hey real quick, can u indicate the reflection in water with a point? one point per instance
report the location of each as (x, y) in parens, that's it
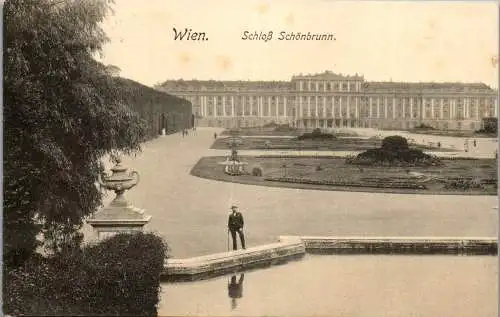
(361, 285)
(235, 289)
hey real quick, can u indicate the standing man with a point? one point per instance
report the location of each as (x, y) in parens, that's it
(235, 224)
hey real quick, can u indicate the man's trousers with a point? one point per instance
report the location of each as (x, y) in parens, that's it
(242, 238)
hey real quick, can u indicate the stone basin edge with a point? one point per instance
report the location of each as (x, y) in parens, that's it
(295, 247)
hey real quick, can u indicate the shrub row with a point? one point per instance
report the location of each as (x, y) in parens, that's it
(489, 181)
(387, 163)
(120, 276)
(387, 178)
(407, 185)
(484, 181)
(299, 156)
(310, 136)
(463, 185)
(284, 128)
(316, 134)
(347, 157)
(456, 158)
(395, 180)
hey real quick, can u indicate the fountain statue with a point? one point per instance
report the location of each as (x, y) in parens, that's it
(233, 164)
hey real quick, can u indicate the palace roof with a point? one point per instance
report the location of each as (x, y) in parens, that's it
(426, 86)
(227, 84)
(327, 75)
(367, 86)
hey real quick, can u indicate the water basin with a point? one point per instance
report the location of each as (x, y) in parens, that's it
(346, 285)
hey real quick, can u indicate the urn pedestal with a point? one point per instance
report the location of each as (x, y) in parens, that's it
(119, 216)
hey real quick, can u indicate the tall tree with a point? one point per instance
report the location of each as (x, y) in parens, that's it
(62, 115)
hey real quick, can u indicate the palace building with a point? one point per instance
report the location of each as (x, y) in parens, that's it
(329, 100)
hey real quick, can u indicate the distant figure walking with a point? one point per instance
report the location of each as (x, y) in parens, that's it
(215, 135)
(235, 289)
(475, 143)
(235, 225)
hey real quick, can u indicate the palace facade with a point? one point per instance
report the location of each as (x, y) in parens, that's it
(329, 100)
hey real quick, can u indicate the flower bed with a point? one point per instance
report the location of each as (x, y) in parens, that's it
(379, 184)
(455, 158)
(489, 181)
(463, 184)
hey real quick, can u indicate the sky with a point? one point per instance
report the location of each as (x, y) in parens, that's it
(383, 41)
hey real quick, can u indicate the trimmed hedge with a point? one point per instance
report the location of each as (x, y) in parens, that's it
(316, 135)
(119, 276)
(299, 156)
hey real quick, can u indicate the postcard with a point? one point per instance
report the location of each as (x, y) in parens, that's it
(297, 158)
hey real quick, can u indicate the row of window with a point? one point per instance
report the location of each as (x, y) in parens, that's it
(338, 99)
(376, 111)
(329, 86)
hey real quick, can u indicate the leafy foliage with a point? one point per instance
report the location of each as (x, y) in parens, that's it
(62, 114)
(117, 277)
(489, 125)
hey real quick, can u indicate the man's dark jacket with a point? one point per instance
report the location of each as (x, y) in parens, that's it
(235, 221)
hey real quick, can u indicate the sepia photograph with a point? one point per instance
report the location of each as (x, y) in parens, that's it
(250, 158)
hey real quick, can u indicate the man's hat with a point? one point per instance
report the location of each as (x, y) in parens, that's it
(233, 206)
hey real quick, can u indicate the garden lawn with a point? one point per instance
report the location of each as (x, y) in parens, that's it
(335, 169)
(338, 144)
(265, 131)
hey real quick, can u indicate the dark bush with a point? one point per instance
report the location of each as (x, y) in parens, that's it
(394, 143)
(118, 277)
(489, 125)
(316, 132)
(424, 126)
(394, 152)
(257, 171)
(400, 158)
